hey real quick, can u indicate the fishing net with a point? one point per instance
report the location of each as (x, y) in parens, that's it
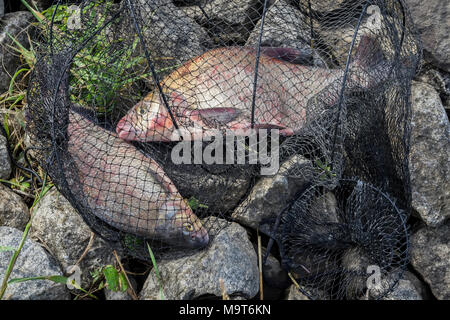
(152, 116)
(348, 243)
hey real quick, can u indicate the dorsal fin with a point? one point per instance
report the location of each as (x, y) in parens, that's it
(292, 55)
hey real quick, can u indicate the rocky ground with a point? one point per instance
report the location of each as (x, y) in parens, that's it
(228, 267)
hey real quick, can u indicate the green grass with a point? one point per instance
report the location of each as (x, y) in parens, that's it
(325, 170)
(105, 68)
(16, 253)
(155, 267)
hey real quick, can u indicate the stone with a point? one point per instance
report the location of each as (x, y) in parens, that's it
(230, 258)
(276, 280)
(229, 22)
(326, 6)
(295, 294)
(430, 256)
(325, 208)
(339, 38)
(407, 288)
(272, 193)
(273, 273)
(218, 187)
(439, 80)
(170, 33)
(60, 227)
(219, 192)
(15, 23)
(117, 295)
(5, 160)
(13, 211)
(33, 261)
(285, 26)
(42, 4)
(433, 24)
(354, 264)
(357, 275)
(428, 159)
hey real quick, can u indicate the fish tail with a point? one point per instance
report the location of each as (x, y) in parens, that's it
(369, 53)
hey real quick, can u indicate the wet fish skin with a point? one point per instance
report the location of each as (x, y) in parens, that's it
(214, 91)
(128, 190)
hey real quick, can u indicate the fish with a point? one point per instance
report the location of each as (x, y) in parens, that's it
(127, 189)
(214, 92)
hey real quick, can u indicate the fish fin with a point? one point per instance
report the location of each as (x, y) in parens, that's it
(283, 130)
(178, 99)
(245, 126)
(291, 55)
(218, 115)
(369, 53)
(268, 126)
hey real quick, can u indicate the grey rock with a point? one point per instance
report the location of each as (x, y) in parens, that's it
(433, 23)
(273, 273)
(42, 4)
(5, 161)
(285, 26)
(326, 6)
(229, 257)
(295, 294)
(325, 208)
(272, 193)
(228, 21)
(429, 156)
(355, 264)
(15, 24)
(276, 280)
(439, 80)
(407, 288)
(13, 211)
(219, 187)
(430, 256)
(339, 38)
(219, 192)
(169, 32)
(2, 8)
(33, 261)
(117, 295)
(59, 226)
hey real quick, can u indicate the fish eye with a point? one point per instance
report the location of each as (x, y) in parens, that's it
(189, 227)
(141, 110)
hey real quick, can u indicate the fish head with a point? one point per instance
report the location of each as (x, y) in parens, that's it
(180, 226)
(149, 120)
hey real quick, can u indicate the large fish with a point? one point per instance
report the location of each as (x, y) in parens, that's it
(128, 190)
(214, 91)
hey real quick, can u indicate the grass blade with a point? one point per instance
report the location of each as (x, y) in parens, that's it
(56, 279)
(155, 266)
(13, 260)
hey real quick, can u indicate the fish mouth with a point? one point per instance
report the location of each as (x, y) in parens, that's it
(200, 239)
(125, 130)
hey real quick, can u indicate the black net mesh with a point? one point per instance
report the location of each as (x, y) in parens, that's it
(118, 85)
(333, 241)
